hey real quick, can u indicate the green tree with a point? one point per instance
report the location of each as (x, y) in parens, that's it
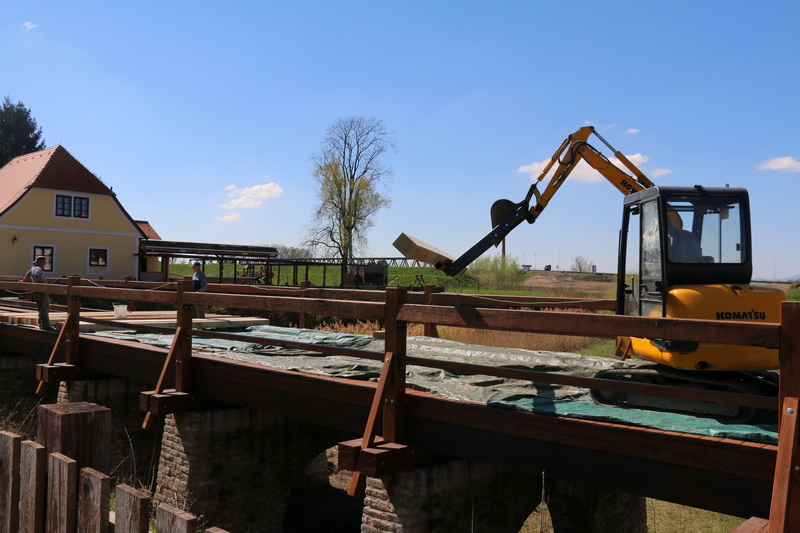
(351, 181)
(19, 134)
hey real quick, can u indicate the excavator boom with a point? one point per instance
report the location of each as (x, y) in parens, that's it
(507, 215)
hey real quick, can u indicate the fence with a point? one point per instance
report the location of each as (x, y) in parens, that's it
(396, 308)
(45, 492)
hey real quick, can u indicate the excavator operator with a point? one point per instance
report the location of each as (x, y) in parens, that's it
(683, 245)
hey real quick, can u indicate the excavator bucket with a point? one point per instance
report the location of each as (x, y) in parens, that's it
(501, 209)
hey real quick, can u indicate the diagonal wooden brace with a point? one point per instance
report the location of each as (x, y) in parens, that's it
(784, 514)
(177, 342)
(382, 392)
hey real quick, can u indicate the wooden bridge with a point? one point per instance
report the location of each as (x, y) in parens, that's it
(402, 429)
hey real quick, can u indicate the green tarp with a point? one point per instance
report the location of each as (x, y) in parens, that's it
(495, 392)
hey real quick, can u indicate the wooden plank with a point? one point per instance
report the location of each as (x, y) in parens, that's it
(785, 507)
(62, 494)
(33, 467)
(215, 530)
(339, 308)
(93, 506)
(174, 520)
(9, 481)
(592, 325)
(414, 248)
(132, 510)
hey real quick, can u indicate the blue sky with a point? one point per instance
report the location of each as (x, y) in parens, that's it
(203, 116)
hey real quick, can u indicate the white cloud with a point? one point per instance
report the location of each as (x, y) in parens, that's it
(233, 217)
(657, 173)
(781, 164)
(248, 197)
(582, 171)
(30, 25)
(632, 131)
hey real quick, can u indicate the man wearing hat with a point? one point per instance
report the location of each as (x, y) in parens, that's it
(199, 284)
(36, 275)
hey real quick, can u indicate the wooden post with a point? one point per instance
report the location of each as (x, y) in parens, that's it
(303, 321)
(394, 406)
(93, 503)
(785, 505)
(790, 350)
(132, 514)
(183, 355)
(427, 298)
(62, 492)
(79, 430)
(172, 519)
(33, 466)
(130, 303)
(9, 481)
(73, 321)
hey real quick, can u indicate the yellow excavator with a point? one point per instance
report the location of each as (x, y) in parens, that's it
(695, 261)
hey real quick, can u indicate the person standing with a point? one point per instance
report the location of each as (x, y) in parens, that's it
(36, 275)
(199, 284)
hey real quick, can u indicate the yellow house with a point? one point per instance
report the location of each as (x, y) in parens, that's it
(51, 205)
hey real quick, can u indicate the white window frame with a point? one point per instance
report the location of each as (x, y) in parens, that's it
(97, 269)
(35, 254)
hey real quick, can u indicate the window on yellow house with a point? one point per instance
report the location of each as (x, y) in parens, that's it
(72, 207)
(46, 251)
(98, 257)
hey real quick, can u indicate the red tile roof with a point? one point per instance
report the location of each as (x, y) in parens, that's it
(147, 229)
(53, 168)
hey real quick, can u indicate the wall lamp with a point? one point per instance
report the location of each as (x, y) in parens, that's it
(14, 239)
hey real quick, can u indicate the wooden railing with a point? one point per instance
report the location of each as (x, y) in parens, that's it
(396, 308)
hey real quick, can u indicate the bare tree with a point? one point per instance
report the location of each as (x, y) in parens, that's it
(350, 181)
(291, 252)
(581, 264)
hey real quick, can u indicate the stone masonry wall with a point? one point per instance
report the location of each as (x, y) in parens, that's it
(455, 496)
(236, 467)
(134, 451)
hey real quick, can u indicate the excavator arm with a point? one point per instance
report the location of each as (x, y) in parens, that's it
(507, 215)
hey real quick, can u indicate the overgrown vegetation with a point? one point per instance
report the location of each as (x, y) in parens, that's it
(794, 291)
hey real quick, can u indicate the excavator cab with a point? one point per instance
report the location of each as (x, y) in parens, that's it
(694, 261)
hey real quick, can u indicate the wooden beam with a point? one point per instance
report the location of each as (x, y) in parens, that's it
(382, 458)
(133, 507)
(94, 491)
(9, 481)
(62, 493)
(183, 350)
(171, 401)
(174, 520)
(63, 372)
(394, 411)
(33, 467)
(560, 323)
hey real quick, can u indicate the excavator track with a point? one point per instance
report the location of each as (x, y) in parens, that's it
(753, 382)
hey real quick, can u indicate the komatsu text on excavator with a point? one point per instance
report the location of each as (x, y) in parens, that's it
(695, 261)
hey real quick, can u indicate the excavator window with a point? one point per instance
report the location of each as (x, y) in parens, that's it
(705, 230)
